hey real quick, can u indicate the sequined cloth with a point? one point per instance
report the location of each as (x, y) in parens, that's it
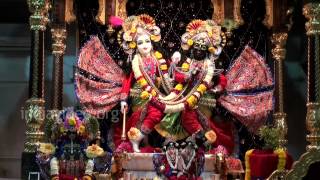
(249, 96)
(98, 97)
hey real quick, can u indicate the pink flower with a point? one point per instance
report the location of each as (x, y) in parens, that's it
(124, 147)
(115, 21)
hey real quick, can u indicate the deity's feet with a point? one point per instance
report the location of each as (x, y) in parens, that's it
(135, 137)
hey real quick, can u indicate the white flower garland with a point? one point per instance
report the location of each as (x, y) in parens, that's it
(172, 106)
(181, 105)
(89, 167)
(54, 167)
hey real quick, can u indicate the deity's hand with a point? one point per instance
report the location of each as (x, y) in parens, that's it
(217, 89)
(124, 106)
(176, 57)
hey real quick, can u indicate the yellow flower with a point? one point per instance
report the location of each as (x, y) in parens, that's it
(179, 87)
(211, 49)
(72, 121)
(163, 67)
(144, 95)
(190, 42)
(211, 136)
(133, 30)
(133, 133)
(153, 37)
(47, 148)
(192, 101)
(62, 129)
(202, 88)
(94, 151)
(143, 82)
(185, 67)
(82, 129)
(153, 93)
(158, 55)
(132, 44)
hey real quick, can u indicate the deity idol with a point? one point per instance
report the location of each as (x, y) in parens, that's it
(186, 109)
(192, 99)
(149, 72)
(246, 96)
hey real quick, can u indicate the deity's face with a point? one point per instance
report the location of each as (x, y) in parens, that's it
(199, 50)
(144, 45)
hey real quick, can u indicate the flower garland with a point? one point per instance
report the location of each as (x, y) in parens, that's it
(192, 99)
(171, 159)
(54, 167)
(89, 167)
(149, 89)
(178, 90)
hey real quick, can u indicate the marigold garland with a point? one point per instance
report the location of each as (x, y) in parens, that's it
(158, 55)
(178, 87)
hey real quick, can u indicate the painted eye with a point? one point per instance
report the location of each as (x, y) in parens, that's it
(148, 41)
(139, 42)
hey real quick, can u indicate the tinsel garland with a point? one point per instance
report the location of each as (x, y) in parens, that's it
(247, 164)
(282, 157)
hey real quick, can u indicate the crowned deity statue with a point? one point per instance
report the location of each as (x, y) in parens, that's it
(176, 96)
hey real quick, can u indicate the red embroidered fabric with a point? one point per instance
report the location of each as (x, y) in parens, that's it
(98, 97)
(249, 71)
(249, 90)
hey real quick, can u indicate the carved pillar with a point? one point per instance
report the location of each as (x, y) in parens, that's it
(276, 19)
(278, 53)
(120, 9)
(312, 13)
(227, 10)
(62, 12)
(38, 22)
(58, 50)
(33, 113)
